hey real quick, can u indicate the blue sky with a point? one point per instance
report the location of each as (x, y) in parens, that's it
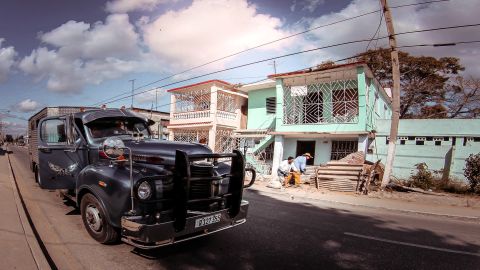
(57, 52)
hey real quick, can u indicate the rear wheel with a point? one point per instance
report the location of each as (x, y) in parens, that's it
(95, 221)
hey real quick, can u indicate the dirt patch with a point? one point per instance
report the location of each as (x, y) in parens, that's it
(438, 199)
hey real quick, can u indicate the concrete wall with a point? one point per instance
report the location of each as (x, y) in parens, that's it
(257, 111)
(435, 156)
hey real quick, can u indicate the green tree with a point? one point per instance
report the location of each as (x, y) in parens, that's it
(423, 79)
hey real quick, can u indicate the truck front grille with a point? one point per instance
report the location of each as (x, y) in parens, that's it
(201, 189)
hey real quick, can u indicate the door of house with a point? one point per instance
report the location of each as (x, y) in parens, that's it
(306, 147)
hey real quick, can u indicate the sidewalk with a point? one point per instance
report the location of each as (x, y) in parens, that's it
(19, 248)
(374, 202)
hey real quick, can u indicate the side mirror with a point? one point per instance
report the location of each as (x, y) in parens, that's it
(113, 148)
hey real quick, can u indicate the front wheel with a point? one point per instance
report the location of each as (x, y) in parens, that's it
(95, 221)
(38, 178)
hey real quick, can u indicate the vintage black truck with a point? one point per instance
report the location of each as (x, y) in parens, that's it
(128, 186)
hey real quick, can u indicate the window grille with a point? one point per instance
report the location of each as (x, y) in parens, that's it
(193, 100)
(330, 102)
(226, 102)
(271, 104)
(341, 149)
(191, 135)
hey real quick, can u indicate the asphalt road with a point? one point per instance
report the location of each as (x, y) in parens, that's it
(280, 233)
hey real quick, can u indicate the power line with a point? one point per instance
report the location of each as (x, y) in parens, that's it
(295, 53)
(366, 53)
(265, 44)
(377, 32)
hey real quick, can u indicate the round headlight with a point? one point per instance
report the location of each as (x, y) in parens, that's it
(144, 191)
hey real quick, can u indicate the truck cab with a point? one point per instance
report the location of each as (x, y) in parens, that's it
(129, 186)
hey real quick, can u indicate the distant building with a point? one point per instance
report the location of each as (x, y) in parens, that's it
(207, 112)
(162, 120)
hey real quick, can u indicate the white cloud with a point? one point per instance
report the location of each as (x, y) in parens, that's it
(85, 54)
(124, 6)
(405, 19)
(149, 97)
(14, 128)
(27, 105)
(312, 5)
(196, 34)
(7, 60)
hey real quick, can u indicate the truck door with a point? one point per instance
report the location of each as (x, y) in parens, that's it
(60, 159)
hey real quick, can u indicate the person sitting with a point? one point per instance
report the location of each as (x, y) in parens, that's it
(300, 164)
(285, 169)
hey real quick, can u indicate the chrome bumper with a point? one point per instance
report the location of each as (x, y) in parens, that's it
(148, 236)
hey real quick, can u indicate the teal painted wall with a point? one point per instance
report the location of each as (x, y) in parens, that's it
(434, 156)
(257, 111)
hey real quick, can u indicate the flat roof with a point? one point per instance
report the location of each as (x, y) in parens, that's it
(201, 83)
(316, 69)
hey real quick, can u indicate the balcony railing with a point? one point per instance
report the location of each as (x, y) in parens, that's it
(191, 115)
(226, 115)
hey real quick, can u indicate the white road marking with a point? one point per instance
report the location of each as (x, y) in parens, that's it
(411, 244)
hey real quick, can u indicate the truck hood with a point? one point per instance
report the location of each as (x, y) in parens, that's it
(165, 149)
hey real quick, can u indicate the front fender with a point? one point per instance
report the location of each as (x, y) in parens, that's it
(111, 186)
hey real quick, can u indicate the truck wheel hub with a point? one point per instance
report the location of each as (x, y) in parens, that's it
(93, 218)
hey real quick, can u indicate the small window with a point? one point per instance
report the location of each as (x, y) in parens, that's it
(270, 104)
(420, 142)
(438, 143)
(54, 132)
(402, 142)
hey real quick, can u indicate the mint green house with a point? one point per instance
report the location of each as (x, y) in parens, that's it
(329, 113)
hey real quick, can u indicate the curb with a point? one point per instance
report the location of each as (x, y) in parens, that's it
(31, 236)
(456, 217)
(53, 247)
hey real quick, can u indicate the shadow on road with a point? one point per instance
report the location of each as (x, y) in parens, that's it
(290, 235)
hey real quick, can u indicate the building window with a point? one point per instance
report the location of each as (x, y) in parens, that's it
(438, 143)
(420, 142)
(271, 104)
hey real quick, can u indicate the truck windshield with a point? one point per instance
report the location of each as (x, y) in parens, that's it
(107, 127)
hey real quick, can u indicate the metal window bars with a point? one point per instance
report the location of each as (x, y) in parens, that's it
(192, 100)
(341, 149)
(226, 102)
(326, 102)
(191, 135)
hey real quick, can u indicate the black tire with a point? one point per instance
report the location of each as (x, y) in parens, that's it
(95, 221)
(37, 175)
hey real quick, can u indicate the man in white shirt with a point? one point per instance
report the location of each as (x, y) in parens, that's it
(285, 169)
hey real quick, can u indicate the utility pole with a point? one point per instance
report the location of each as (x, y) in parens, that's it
(395, 95)
(274, 64)
(133, 89)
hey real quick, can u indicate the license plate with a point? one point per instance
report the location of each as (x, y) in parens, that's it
(200, 222)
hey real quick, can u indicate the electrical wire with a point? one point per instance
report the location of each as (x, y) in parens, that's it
(292, 54)
(377, 32)
(355, 56)
(263, 44)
